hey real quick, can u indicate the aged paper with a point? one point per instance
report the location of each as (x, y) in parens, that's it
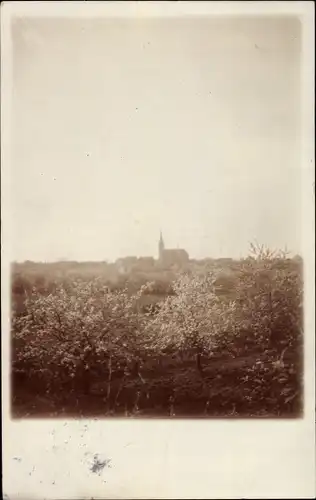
(158, 250)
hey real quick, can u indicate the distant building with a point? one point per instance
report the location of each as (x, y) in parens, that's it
(145, 263)
(170, 259)
(126, 264)
(177, 257)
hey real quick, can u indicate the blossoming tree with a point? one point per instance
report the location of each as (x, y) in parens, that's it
(194, 319)
(74, 333)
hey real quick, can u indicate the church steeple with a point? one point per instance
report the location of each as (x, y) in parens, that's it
(161, 246)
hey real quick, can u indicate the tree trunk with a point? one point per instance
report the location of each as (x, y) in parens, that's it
(135, 370)
(271, 339)
(108, 392)
(119, 391)
(199, 362)
(86, 382)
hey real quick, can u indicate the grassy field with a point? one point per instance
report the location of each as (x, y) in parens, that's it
(222, 344)
(249, 386)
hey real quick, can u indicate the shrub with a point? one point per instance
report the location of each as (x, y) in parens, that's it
(78, 332)
(194, 319)
(269, 301)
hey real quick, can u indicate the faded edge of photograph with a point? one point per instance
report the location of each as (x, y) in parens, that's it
(157, 267)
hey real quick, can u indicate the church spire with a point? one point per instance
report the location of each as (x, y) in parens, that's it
(161, 246)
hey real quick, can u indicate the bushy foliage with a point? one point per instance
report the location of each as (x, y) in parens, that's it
(194, 319)
(269, 298)
(264, 312)
(157, 288)
(73, 332)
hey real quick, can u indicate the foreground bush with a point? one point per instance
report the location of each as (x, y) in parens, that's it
(264, 313)
(73, 335)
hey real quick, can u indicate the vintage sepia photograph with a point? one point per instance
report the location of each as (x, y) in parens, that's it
(156, 217)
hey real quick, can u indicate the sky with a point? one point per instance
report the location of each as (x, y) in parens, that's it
(122, 128)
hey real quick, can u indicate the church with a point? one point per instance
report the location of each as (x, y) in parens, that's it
(168, 258)
(173, 256)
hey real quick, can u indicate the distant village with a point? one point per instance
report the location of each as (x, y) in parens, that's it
(169, 259)
(168, 262)
(130, 272)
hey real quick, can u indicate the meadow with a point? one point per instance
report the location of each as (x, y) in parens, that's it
(226, 341)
